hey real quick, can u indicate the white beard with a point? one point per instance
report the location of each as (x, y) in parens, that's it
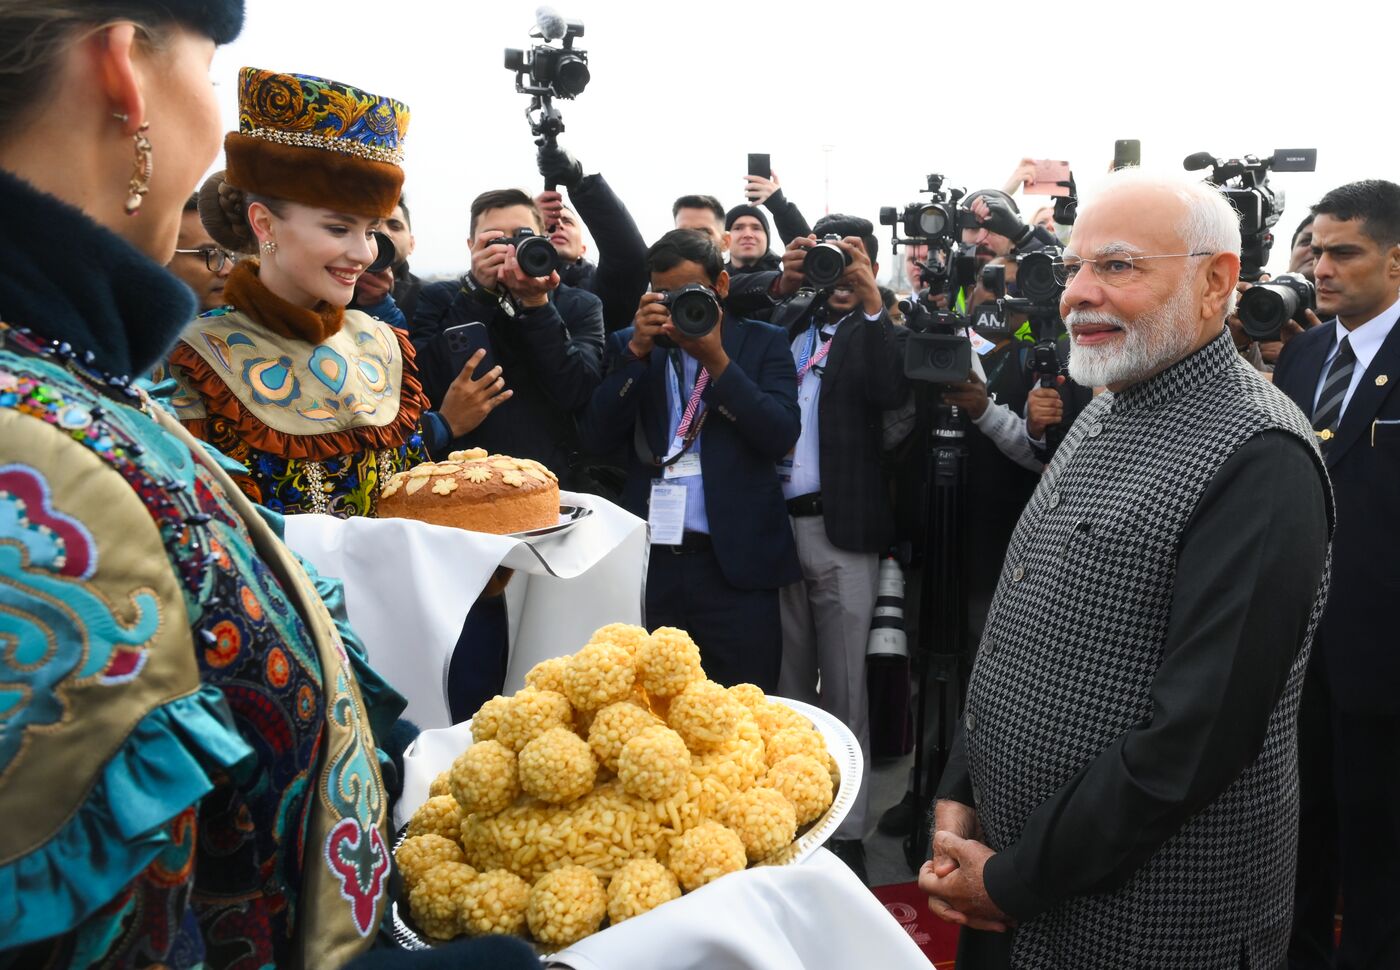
(1150, 343)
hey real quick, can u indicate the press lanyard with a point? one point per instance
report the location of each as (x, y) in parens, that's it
(811, 359)
(689, 428)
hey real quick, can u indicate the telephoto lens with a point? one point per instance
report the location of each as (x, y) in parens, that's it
(695, 311)
(826, 262)
(1265, 307)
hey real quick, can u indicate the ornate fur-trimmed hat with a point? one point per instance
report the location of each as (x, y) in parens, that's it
(323, 143)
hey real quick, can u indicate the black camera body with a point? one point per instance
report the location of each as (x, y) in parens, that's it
(938, 358)
(1245, 184)
(535, 254)
(554, 72)
(826, 262)
(938, 222)
(695, 311)
(1265, 307)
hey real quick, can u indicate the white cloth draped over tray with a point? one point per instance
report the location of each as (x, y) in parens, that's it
(804, 917)
(408, 587)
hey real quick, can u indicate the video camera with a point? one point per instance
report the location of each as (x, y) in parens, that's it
(545, 72)
(1245, 184)
(936, 353)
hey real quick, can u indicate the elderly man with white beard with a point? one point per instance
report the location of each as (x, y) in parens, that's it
(1123, 786)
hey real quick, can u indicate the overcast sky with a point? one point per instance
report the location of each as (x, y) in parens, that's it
(856, 103)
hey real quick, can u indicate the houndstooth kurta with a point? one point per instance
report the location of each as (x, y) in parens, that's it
(1072, 643)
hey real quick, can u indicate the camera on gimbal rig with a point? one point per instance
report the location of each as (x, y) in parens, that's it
(936, 352)
(546, 72)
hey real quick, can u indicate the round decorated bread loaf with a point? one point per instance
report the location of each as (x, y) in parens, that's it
(476, 491)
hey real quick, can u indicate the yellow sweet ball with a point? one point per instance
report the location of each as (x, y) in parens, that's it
(566, 905)
(739, 764)
(495, 902)
(548, 675)
(479, 843)
(442, 784)
(750, 695)
(525, 839)
(439, 815)
(705, 716)
(488, 718)
(531, 713)
(419, 853)
(668, 662)
(705, 853)
(606, 829)
(763, 818)
(655, 764)
(484, 779)
(803, 781)
(638, 887)
(557, 767)
(773, 717)
(614, 726)
(435, 902)
(599, 675)
(622, 634)
(793, 740)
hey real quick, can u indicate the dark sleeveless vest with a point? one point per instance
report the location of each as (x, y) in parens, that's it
(1073, 640)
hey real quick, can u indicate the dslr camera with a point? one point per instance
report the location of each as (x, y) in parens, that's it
(1245, 184)
(826, 262)
(1265, 307)
(535, 254)
(695, 311)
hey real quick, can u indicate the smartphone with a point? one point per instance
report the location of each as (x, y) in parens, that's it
(466, 339)
(1127, 153)
(1048, 172)
(760, 165)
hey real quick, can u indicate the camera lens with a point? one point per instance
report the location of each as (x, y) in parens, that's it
(694, 311)
(1035, 278)
(536, 256)
(932, 221)
(824, 264)
(1265, 307)
(571, 76)
(942, 358)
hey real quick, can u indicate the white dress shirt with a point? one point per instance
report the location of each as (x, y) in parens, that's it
(1365, 342)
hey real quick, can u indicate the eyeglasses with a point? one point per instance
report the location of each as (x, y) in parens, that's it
(1115, 270)
(214, 259)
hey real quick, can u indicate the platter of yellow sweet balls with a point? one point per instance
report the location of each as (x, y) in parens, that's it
(618, 779)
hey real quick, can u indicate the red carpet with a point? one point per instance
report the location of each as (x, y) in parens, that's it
(907, 904)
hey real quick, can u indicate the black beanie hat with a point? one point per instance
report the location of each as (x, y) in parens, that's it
(219, 20)
(748, 210)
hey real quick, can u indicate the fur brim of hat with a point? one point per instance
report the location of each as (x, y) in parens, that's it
(220, 20)
(312, 176)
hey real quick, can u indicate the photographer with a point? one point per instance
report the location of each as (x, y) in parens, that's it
(705, 418)
(392, 294)
(546, 338)
(619, 277)
(703, 213)
(850, 368)
(748, 241)
(1002, 231)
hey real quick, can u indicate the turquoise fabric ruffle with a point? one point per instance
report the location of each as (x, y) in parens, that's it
(163, 768)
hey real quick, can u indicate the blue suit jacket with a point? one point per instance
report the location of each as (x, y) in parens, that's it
(753, 422)
(1357, 641)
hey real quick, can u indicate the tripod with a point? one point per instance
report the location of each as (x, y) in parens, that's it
(942, 602)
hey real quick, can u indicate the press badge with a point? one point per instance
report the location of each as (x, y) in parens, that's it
(666, 515)
(785, 470)
(685, 466)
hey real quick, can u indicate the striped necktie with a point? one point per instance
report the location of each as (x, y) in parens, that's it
(1328, 412)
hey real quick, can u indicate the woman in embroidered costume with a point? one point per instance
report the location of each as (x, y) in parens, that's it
(319, 403)
(188, 773)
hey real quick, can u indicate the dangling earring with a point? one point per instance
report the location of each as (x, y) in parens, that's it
(269, 246)
(140, 182)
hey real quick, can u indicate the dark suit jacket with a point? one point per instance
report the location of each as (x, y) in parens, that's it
(551, 359)
(753, 421)
(1357, 641)
(864, 375)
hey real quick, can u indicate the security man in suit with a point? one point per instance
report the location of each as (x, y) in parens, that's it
(1343, 375)
(850, 367)
(706, 421)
